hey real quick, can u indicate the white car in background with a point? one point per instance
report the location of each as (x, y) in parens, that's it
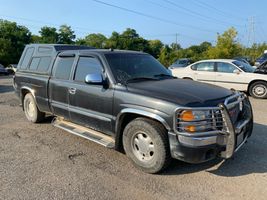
(228, 73)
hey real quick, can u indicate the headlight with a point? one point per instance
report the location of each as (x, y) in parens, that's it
(195, 121)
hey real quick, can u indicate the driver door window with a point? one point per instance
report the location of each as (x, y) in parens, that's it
(85, 66)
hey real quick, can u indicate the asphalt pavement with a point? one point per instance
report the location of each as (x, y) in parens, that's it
(39, 161)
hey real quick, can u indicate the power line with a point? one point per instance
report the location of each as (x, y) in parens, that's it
(181, 11)
(81, 30)
(198, 14)
(152, 17)
(222, 13)
(49, 23)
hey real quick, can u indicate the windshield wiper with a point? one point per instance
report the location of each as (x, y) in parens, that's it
(141, 79)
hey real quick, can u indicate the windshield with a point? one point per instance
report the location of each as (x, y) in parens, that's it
(134, 66)
(244, 66)
(182, 62)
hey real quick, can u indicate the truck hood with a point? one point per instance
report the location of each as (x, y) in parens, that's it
(181, 92)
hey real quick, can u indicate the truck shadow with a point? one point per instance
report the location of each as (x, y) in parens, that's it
(6, 88)
(251, 158)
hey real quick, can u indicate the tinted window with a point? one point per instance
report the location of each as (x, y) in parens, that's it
(63, 68)
(44, 64)
(204, 66)
(225, 67)
(87, 65)
(126, 66)
(45, 49)
(27, 58)
(34, 64)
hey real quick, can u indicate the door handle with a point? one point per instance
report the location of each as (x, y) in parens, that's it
(72, 90)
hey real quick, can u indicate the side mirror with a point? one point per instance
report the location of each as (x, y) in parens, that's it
(94, 79)
(236, 71)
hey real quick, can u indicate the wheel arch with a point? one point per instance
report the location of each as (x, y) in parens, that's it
(188, 78)
(129, 114)
(25, 90)
(254, 81)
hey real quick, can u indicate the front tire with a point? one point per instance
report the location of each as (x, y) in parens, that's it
(146, 143)
(33, 114)
(258, 90)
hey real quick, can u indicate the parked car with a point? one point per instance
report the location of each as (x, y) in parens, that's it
(12, 68)
(3, 70)
(183, 62)
(261, 59)
(231, 74)
(128, 100)
(262, 69)
(244, 59)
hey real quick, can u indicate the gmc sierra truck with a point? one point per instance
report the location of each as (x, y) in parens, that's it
(128, 101)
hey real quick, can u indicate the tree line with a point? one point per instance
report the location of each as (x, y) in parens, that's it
(14, 37)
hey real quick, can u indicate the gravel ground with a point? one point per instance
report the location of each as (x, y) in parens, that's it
(39, 161)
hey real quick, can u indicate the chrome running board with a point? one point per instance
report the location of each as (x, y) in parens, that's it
(85, 132)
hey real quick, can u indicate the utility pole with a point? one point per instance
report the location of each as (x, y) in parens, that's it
(251, 31)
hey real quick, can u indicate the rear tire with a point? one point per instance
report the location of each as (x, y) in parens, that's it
(146, 143)
(258, 90)
(33, 114)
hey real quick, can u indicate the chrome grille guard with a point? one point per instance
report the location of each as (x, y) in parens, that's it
(229, 130)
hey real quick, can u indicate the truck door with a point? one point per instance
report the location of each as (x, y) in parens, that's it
(59, 86)
(90, 105)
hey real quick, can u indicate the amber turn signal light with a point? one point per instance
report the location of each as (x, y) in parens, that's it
(187, 115)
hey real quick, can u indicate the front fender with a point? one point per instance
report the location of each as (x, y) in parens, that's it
(144, 113)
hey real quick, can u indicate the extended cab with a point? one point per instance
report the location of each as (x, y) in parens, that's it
(128, 101)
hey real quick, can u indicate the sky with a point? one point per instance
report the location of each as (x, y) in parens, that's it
(190, 22)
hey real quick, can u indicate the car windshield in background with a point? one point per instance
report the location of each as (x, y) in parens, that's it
(244, 66)
(128, 67)
(182, 62)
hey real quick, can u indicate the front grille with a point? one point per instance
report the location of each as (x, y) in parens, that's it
(215, 121)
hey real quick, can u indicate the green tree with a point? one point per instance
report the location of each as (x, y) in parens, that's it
(49, 35)
(36, 39)
(175, 46)
(113, 41)
(12, 41)
(226, 47)
(255, 51)
(129, 40)
(155, 47)
(66, 35)
(164, 56)
(96, 40)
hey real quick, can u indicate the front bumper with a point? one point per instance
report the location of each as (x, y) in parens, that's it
(197, 148)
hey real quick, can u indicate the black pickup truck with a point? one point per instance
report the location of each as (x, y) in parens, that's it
(128, 101)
